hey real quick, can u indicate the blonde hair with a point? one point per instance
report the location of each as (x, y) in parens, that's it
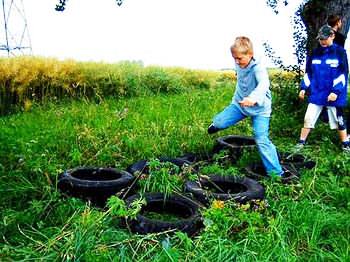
(242, 45)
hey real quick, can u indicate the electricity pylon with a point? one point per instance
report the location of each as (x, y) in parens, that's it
(14, 33)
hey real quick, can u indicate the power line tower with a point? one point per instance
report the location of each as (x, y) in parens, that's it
(14, 34)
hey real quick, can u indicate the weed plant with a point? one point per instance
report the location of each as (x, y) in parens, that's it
(163, 177)
(307, 221)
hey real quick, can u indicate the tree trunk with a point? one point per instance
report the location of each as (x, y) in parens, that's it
(315, 12)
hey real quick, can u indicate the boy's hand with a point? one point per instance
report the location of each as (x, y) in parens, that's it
(332, 97)
(247, 101)
(302, 94)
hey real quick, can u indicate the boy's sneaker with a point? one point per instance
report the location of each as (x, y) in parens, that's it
(299, 147)
(346, 148)
(212, 129)
(290, 175)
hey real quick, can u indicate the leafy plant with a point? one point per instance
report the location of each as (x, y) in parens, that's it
(163, 177)
(117, 207)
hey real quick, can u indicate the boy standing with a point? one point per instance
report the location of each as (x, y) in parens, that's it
(326, 81)
(252, 98)
(335, 22)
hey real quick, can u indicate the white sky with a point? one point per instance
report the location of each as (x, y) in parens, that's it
(189, 33)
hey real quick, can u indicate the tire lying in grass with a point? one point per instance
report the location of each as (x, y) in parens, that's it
(239, 189)
(257, 171)
(296, 160)
(235, 144)
(186, 159)
(176, 212)
(142, 165)
(94, 184)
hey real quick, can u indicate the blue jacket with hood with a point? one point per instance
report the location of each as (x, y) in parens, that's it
(326, 72)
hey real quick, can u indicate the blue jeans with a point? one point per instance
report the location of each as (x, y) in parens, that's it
(268, 153)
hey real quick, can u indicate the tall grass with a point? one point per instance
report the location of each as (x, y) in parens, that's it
(24, 80)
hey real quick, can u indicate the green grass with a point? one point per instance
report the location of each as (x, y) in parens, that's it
(309, 221)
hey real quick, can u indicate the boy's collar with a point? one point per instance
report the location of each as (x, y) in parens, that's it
(251, 62)
(328, 46)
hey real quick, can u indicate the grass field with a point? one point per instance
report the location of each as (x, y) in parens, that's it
(308, 221)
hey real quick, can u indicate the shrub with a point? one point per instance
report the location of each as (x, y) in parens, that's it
(34, 79)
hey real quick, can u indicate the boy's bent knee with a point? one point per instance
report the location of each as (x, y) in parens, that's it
(341, 123)
(261, 139)
(309, 122)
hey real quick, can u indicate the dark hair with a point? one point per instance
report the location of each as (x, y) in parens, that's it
(332, 20)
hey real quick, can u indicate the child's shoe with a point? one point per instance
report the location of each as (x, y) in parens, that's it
(212, 129)
(289, 175)
(299, 146)
(346, 148)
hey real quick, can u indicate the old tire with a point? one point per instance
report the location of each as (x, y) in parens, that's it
(189, 220)
(142, 165)
(296, 160)
(239, 189)
(257, 171)
(235, 144)
(94, 184)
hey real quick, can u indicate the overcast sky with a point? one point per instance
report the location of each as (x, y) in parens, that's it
(189, 33)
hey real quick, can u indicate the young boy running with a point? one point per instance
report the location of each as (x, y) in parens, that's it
(252, 99)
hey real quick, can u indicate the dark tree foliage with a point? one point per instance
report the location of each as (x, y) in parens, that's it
(274, 4)
(314, 14)
(61, 6)
(308, 18)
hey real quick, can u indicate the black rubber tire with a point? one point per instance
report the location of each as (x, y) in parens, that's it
(190, 221)
(257, 171)
(290, 175)
(244, 189)
(93, 183)
(142, 165)
(296, 160)
(235, 144)
(176, 161)
(291, 158)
